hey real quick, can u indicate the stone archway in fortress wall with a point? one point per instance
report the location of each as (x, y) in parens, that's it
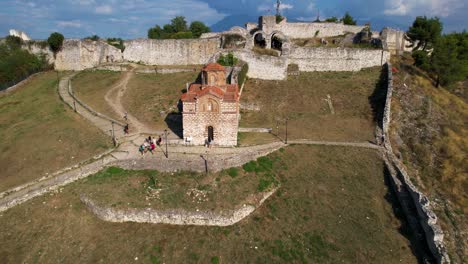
(279, 41)
(260, 39)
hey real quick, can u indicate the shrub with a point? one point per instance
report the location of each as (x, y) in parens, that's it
(215, 260)
(116, 42)
(233, 172)
(250, 166)
(265, 162)
(243, 74)
(182, 35)
(228, 60)
(55, 41)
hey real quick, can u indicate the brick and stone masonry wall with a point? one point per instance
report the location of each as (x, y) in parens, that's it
(308, 30)
(170, 51)
(401, 182)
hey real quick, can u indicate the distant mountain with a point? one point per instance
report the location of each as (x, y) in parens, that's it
(231, 21)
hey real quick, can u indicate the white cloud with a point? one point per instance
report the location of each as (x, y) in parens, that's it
(74, 23)
(285, 6)
(269, 7)
(83, 2)
(311, 7)
(442, 8)
(104, 10)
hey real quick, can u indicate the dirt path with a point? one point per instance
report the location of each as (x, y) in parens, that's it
(114, 98)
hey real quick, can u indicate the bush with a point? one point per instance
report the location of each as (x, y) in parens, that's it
(228, 60)
(250, 166)
(265, 163)
(55, 41)
(17, 64)
(243, 74)
(233, 172)
(182, 35)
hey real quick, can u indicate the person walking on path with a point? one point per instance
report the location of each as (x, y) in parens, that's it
(126, 116)
(159, 141)
(126, 129)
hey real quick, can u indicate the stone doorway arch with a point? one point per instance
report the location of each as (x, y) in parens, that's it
(260, 39)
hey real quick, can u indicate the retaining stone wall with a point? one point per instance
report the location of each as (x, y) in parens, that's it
(308, 30)
(174, 217)
(427, 218)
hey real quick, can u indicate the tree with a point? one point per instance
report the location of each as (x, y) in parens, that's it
(155, 32)
(179, 24)
(449, 60)
(332, 19)
(198, 28)
(55, 41)
(424, 32)
(348, 19)
(421, 59)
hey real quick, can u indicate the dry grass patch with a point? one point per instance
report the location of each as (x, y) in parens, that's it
(92, 86)
(430, 135)
(39, 134)
(302, 100)
(152, 97)
(332, 207)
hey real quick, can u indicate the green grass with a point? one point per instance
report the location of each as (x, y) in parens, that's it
(151, 97)
(301, 99)
(39, 134)
(331, 207)
(92, 86)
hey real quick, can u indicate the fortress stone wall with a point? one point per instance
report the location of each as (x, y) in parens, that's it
(337, 59)
(84, 54)
(308, 30)
(170, 51)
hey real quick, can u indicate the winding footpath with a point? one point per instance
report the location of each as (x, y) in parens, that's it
(126, 155)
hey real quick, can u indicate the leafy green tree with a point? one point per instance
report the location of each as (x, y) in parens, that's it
(449, 60)
(424, 32)
(421, 59)
(179, 24)
(332, 19)
(55, 41)
(116, 42)
(198, 28)
(228, 60)
(348, 19)
(155, 32)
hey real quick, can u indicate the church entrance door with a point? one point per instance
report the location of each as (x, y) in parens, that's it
(210, 134)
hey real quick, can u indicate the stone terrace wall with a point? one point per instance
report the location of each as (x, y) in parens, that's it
(174, 217)
(336, 59)
(170, 51)
(83, 54)
(402, 184)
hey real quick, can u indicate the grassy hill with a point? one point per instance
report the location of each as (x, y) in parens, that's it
(429, 133)
(39, 134)
(333, 206)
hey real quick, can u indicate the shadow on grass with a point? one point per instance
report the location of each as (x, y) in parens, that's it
(418, 244)
(174, 123)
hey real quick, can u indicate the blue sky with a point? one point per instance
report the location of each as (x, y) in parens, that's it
(132, 18)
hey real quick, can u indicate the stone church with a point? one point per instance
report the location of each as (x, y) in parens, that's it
(211, 109)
